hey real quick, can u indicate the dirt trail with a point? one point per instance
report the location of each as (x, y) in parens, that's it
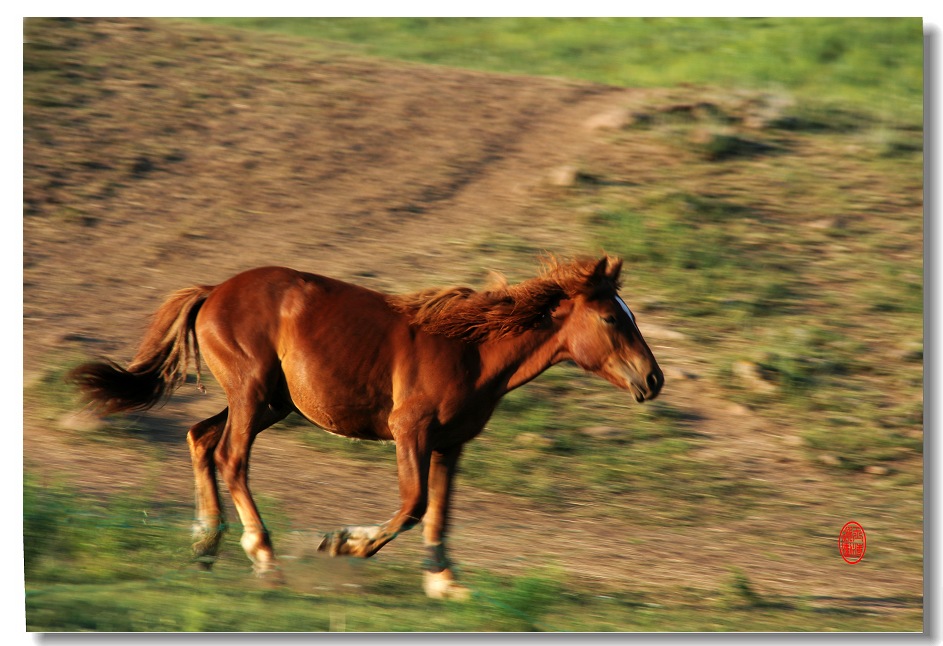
(396, 177)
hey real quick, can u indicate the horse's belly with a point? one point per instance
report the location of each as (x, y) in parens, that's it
(337, 399)
(343, 419)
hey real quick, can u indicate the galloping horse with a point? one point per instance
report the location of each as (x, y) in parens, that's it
(425, 370)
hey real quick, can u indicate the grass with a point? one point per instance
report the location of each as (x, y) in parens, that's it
(541, 443)
(119, 565)
(48, 392)
(870, 63)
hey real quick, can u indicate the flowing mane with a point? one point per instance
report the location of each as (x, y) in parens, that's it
(503, 310)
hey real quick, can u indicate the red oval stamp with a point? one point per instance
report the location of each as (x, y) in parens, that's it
(852, 542)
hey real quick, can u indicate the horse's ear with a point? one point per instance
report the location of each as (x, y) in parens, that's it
(600, 271)
(607, 269)
(615, 267)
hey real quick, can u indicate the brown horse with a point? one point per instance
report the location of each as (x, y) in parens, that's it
(425, 370)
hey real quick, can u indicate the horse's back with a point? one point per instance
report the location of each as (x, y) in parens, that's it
(286, 308)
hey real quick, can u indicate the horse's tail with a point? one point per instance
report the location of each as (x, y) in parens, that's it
(159, 366)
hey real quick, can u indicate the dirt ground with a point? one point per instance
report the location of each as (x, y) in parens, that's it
(173, 155)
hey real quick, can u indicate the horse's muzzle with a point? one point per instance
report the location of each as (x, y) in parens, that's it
(653, 383)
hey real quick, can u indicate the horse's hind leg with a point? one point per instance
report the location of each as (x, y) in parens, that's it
(210, 523)
(232, 460)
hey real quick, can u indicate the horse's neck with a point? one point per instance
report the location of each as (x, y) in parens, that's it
(512, 362)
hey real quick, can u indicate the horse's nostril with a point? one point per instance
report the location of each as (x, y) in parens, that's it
(654, 383)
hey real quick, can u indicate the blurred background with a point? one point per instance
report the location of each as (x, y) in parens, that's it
(761, 178)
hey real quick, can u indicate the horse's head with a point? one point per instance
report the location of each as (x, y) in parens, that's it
(597, 330)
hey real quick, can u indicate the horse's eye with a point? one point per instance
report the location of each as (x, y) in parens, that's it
(610, 320)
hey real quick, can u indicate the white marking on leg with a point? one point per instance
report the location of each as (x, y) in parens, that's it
(442, 585)
(362, 535)
(355, 541)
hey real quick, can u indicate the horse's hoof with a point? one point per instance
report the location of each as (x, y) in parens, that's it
(206, 548)
(271, 576)
(351, 541)
(442, 585)
(205, 562)
(331, 543)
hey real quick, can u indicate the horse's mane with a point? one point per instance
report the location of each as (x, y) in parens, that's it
(503, 310)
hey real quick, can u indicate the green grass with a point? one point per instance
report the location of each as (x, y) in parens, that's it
(541, 444)
(875, 64)
(697, 245)
(120, 565)
(48, 392)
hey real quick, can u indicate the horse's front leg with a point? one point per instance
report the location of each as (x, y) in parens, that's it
(412, 461)
(439, 579)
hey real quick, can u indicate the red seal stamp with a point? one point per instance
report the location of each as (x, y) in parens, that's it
(852, 542)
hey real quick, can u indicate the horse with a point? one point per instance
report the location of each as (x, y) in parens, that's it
(425, 370)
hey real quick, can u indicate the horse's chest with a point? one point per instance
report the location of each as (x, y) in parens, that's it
(463, 420)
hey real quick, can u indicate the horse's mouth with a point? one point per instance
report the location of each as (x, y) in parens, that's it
(650, 390)
(642, 389)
